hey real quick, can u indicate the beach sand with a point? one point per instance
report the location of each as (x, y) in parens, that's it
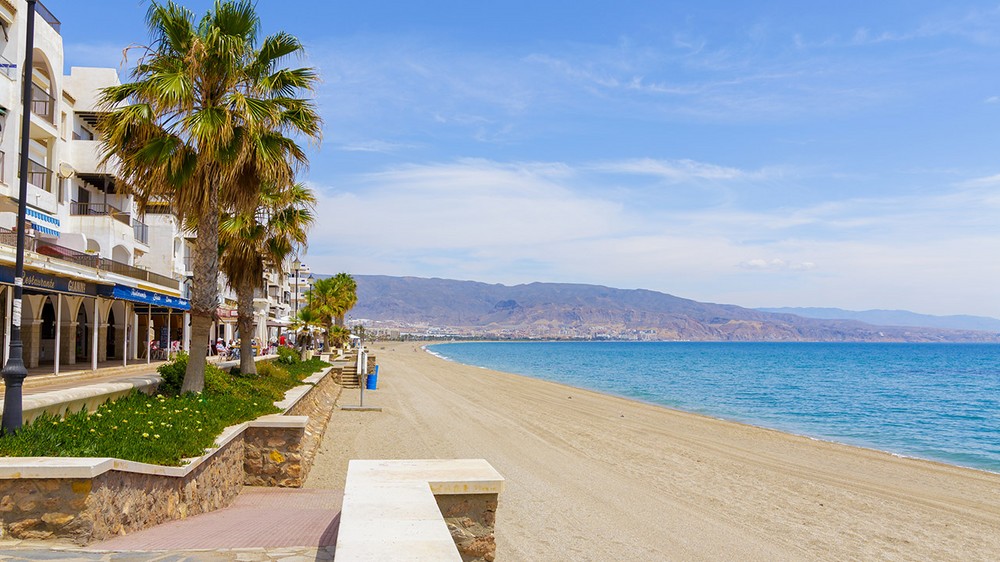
(595, 477)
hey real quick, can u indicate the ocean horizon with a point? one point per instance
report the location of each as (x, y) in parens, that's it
(937, 402)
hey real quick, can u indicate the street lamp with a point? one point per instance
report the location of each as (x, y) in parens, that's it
(14, 371)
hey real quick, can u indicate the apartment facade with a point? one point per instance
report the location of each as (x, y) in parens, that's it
(102, 283)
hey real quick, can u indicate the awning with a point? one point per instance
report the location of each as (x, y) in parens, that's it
(153, 298)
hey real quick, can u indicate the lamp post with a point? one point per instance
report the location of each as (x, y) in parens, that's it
(14, 371)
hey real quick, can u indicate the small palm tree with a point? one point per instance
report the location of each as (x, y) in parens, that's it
(249, 244)
(204, 120)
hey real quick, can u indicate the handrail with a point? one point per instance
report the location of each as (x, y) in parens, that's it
(94, 209)
(141, 231)
(43, 104)
(48, 17)
(8, 68)
(39, 175)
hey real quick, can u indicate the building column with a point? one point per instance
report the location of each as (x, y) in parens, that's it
(187, 332)
(170, 330)
(31, 330)
(97, 327)
(58, 350)
(149, 328)
(126, 330)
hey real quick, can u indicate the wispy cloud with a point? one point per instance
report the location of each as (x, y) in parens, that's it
(685, 170)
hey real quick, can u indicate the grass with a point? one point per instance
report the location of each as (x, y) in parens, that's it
(162, 429)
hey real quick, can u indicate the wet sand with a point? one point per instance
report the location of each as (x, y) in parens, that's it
(596, 477)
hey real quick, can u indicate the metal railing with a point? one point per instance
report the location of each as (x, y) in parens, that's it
(141, 231)
(39, 175)
(189, 263)
(97, 209)
(43, 104)
(8, 68)
(9, 238)
(41, 10)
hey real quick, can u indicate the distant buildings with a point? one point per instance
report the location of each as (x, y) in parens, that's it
(101, 281)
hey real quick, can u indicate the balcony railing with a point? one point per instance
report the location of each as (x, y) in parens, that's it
(47, 16)
(189, 263)
(43, 104)
(8, 68)
(9, 238)
(141, 231)
(39, 175)
(97, 209)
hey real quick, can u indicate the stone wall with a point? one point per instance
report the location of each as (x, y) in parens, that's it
(118, 501)
(273, 456)
(90, 509)
(318, 405)
(471, 519)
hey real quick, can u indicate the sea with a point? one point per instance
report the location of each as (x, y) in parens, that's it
(933, 401)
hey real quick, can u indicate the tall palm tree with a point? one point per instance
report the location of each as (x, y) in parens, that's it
(207, 115)
(332, 298)
(251, 243)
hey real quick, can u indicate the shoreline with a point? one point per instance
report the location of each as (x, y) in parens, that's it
(597, 477)
(869, 447)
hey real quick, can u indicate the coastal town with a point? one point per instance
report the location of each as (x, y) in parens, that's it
(196, 365)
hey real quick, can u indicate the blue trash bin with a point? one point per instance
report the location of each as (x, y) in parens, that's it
(372, 381)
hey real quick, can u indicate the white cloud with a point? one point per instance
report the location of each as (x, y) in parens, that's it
(542, 221)
(683, 170)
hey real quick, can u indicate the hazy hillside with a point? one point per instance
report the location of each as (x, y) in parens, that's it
(896, 318)
(555, 310)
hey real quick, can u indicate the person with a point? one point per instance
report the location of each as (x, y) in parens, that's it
(220, 348)
(282, 341)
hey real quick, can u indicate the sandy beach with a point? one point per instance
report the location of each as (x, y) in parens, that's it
(595, 477)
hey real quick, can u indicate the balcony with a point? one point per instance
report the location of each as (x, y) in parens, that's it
(45, 248)
(141, 231)
(8, 68)
(77, 208)
(43, 104)
(39, 175)
(47, 17)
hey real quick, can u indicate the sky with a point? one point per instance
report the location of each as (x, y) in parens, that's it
(838, 154)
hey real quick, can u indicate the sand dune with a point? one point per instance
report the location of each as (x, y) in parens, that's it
(594, 477)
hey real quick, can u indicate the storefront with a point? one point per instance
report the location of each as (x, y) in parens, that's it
(162, 321)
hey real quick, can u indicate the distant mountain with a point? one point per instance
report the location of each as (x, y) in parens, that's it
(896, 318)
(571, 311)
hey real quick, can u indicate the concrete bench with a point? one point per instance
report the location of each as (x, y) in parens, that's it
(397, 510)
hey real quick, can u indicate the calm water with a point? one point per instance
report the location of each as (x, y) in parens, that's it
(933, 401)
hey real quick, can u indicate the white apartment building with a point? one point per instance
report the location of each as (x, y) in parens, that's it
(101, 282)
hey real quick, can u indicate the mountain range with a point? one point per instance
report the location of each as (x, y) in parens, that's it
(896, 318)
(575, 311)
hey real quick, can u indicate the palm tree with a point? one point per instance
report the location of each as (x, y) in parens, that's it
(204, 120)
(249, 244)
(304, 325)
(332, 298)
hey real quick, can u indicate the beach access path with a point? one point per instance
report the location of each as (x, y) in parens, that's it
(595, 477)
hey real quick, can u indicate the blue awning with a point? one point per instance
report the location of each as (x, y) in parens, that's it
(153, 298)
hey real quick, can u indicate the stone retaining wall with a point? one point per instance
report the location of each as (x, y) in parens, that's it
(116, 502)
(471, 519)
(89, 500)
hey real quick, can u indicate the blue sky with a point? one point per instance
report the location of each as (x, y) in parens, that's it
(757, 153)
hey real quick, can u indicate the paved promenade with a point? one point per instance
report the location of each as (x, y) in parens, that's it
(263, 524)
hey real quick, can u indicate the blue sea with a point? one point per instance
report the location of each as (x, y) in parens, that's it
(931, 401)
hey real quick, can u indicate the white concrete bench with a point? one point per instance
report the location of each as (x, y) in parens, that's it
(390, 511)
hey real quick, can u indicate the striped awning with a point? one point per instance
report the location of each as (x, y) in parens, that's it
(42, 222)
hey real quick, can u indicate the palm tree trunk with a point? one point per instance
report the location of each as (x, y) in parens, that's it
(339, 321)
(204, 292)
(244, 306)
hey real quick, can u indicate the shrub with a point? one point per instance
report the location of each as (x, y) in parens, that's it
(288, 356)
(173, 375)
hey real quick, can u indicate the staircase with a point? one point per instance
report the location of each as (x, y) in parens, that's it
(349, 376)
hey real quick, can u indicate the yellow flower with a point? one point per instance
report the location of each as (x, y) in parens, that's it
(99, 415)
(156, 435)
(145, 435)
(93, 430)
(124, 421)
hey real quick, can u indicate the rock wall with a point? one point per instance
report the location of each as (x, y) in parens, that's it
(118, 502)
(90, 509)
(471, 519)
(318, 405)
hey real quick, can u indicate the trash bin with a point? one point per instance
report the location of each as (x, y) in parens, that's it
(372, 381)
